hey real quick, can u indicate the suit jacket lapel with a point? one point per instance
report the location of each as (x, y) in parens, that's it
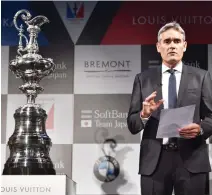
(156, 81)
(185, 78)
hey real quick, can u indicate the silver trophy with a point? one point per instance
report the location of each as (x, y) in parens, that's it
(29, 144)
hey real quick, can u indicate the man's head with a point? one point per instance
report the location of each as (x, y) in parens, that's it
(171, 43)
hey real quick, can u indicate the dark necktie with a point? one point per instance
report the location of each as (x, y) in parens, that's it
(172, 95)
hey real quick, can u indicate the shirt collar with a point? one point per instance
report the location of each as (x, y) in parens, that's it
(178, 67)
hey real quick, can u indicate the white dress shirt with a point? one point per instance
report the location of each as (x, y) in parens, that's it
(165, 84)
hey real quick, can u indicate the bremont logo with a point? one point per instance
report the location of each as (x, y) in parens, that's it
(107, 66)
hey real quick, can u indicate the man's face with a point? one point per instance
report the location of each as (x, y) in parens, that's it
(171, 46)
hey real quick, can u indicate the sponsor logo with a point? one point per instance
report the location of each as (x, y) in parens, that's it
(152, 20)
(59, 165)
(108, 118)
(86, 123)
(106, 169)
(156, 63)
(59, 73)
(193, 63)
(24, 189)
(7, 22)
(107, 68)
(86, 116)
(75, 10)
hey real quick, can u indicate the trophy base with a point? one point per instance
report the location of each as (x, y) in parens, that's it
(28, 171)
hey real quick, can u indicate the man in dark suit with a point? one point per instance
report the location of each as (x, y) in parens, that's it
(181, 163)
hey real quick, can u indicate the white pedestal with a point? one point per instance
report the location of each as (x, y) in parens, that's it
(37, 184)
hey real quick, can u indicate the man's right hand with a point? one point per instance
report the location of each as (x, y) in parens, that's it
(149, 105)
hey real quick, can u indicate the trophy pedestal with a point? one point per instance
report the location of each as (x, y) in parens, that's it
(36, 185)
(29, 144)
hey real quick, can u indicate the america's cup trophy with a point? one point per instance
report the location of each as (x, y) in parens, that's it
(29, 144)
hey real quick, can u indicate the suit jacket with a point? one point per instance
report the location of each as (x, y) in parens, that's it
(195, 88)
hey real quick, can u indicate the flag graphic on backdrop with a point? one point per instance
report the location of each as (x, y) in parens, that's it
(75, 10)
(86, 116)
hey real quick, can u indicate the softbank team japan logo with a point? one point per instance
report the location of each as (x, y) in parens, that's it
(106, 118)
(86, 118)
(75, 10)
(48, 106)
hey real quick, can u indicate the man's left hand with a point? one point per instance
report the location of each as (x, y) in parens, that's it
(190, 131)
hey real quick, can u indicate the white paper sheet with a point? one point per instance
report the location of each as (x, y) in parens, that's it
(173, 119)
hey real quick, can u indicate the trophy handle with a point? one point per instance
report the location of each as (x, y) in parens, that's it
(24, 17)
(21, 30)
(20, 45)
(33, 28)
